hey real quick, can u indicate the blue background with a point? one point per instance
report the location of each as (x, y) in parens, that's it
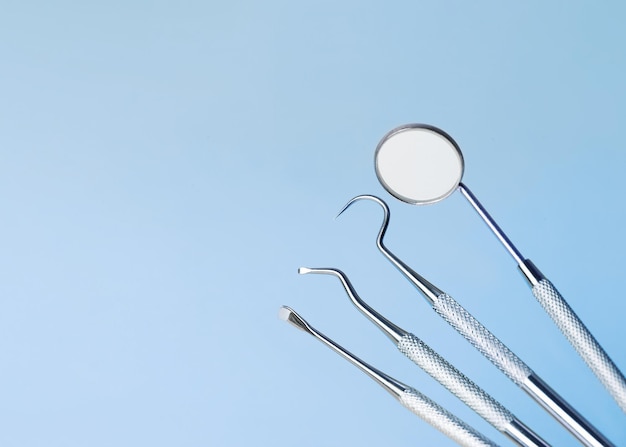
(165, 168)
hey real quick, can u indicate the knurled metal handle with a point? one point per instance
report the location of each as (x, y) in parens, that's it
(582, 340)
(456, 382)
(483, 340)
(516, 370)
(443, 420)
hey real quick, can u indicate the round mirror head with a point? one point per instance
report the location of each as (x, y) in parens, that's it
(419, 164)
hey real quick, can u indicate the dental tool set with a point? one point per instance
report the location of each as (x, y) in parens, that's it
(421, 164)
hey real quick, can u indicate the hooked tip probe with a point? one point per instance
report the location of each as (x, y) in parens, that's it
(361, 197)
(345, 207)
(429, 291)
(492, 348)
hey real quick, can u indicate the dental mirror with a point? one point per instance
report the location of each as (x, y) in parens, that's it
(419, 164)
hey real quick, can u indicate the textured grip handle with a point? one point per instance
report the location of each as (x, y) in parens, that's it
(443, 420)
(456, 382)
(582, 340)
(483, 340)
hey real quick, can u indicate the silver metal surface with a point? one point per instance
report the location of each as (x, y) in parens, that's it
(393, 146)
(429, 291)
(438, 367)
(563, 412)
(444, 421)
(581, 339)
(394, 387)
(487, 343)
(416, 402)
(486, 217)
(481, 338)
(531, 272)
(521, 434)
(568, 322)
(561, 313)
(392, 331)
(459, 385)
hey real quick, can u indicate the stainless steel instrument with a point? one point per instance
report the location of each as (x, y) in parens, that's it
(490, 346)
(421, 164)
(416, 402)
(441, 370)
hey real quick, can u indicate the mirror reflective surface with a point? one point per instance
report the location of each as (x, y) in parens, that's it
(419, 164)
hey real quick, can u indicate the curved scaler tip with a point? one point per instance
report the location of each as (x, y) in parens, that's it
(395, 333)
(365, 197)
(385, 223)
(356, 199)
(345, 207)
(323, 271)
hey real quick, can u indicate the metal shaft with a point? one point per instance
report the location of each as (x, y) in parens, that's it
(488, 344)
(561, 312)
(554, 404)
(440, 369)
(419, 404)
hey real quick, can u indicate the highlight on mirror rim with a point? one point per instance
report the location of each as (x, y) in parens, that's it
(419, 164)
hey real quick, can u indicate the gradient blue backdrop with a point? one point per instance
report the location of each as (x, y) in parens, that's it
(165, 168)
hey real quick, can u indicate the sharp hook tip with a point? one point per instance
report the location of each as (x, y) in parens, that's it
(343, 209)
(350, 202)
(364, 197)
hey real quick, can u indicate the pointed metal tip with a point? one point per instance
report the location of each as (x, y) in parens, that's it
(304, 270)
(362, 197)
(350, 202)
(346, 206)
